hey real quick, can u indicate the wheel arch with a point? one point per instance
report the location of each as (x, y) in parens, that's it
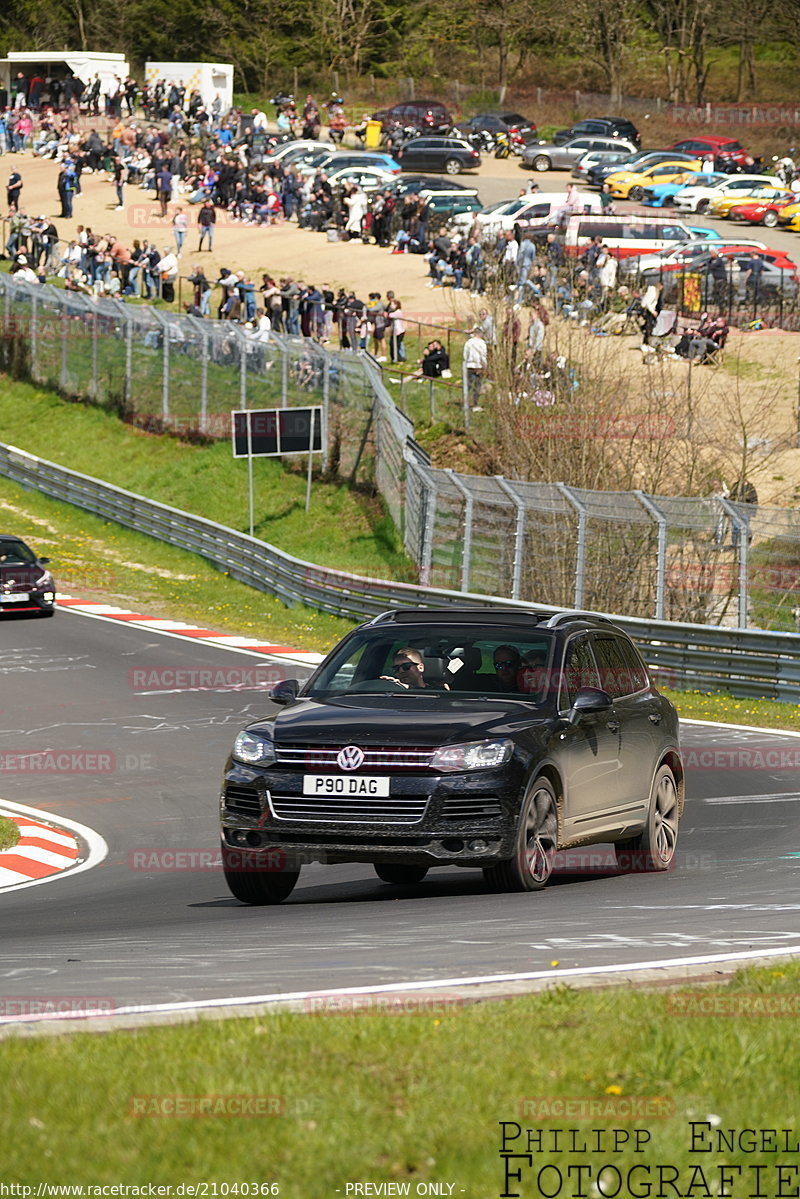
(549, 771)
(672, 758)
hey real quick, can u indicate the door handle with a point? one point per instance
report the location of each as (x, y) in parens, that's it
(613, 725)
(654, 718)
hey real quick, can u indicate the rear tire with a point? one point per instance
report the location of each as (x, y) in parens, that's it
(400, 875)
(537, 841)
(654, 848)
(452, 166)
(257, 887)
(541, 163)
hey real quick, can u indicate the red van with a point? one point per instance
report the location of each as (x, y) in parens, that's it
(624, 235)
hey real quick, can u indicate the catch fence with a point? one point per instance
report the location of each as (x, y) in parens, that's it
(705, 561)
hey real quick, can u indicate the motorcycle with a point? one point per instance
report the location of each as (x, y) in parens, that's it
(481, 140)
(508, 143)
(281, 101)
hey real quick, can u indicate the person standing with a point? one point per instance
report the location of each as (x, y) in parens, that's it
(14, 190)
(180, 225)
(168, 270)
(206, 220)
(120, 178)
(397, 328)
(475, 361)
(164, 188)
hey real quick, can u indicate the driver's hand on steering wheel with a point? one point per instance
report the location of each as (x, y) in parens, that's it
(390, 678)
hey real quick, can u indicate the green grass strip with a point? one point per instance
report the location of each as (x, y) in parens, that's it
(9, 833)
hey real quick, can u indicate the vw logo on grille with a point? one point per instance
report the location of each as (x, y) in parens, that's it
(350, 758)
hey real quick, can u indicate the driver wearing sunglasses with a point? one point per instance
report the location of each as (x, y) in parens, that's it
(409, 669)
(507, 662)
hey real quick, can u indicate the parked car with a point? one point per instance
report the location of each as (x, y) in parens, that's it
(485, 738)
(601, 126)
(762, 212)
(721, 147)
(779, 279)
(789, 217)
(369, 179)
(428, 116)
(662, 195)
(289, 151)
(26, 584)
(449, 154)
(624, 234)
(683, 254)
(595, 158)
(429, 183)
(497, 122)
(545, 156)
(630, 185)
(527, 212)
(698, 197)
(722, 205)
(441, 206)
(639, 161)
(339, 160)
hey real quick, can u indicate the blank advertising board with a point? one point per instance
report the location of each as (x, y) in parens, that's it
(274, 431)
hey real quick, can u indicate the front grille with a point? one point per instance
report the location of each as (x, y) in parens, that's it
(376, 757)
(341, 808)
(471, 807)
(242, 799)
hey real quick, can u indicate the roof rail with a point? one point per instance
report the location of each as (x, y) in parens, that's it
(575, 614)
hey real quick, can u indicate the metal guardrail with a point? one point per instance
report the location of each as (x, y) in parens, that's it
(743, 662)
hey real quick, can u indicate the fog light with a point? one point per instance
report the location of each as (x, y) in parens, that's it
(253, 840)
(239, 836)
(453, 845)
(477, 846)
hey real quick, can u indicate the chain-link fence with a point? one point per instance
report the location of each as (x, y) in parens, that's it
(702, 560)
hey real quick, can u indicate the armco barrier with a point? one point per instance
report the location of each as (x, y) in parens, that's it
(743, 662)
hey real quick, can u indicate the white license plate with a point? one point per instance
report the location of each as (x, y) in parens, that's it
(345, 784)
(19, 597)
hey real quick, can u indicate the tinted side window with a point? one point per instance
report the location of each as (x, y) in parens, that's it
(619, 674)
(580, 670)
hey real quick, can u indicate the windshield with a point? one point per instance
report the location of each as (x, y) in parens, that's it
(15, 553)
(498, 663)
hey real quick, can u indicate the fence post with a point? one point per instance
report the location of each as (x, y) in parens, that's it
(34, 333)
(519, 533)
(93, 380)
(580, 550)
(63, 377)
(431, 401)
(466, 551)
(165, 370)
(661, 555)
(285, 376)
(326, 396)
(128, 357)
(465, 394)
(242, 371)
(426, 557)
(204, 379)
(741, 537)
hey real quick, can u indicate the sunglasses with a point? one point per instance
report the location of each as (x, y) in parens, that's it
(405, 665)
(507, 663)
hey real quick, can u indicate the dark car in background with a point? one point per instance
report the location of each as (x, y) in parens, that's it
(26, 584)
(603, 127)
(725, 148)
(429, 116)
(497, 122)
(449, 154)
(598, 174)
(486, 738)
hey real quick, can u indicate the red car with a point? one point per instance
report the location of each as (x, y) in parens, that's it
(720, 147)
(762, 212)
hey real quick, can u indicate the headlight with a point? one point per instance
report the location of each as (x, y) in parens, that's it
(474, 755)
(254, 749)
(46, 580)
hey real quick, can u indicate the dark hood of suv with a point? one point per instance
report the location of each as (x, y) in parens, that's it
(418, 719)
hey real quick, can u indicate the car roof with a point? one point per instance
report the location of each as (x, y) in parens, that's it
(481, 617)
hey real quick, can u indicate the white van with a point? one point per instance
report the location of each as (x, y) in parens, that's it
(625, 235)
(528, 212)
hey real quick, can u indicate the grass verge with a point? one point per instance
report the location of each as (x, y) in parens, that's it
(9, 833)
(417, 1097)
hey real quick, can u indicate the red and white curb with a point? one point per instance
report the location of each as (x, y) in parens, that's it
(48, 847)
(178, 628)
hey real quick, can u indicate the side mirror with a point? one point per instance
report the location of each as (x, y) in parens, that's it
(285, 692)
(589, 700)
(44, 561)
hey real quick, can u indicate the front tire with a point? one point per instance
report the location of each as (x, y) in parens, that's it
(654, 848)
(400, 875)
(452, 166)
(256, 887)
(541, 163)
(636, 193)
(702, 206)
(537, 841)
(770, 219)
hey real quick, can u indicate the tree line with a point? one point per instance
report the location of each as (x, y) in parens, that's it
(598, 43)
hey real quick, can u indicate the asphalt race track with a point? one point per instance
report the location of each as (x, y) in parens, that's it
(140, 936)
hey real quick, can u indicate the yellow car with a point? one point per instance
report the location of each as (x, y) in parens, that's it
(789, 217)
(630, 185)
(721, 207)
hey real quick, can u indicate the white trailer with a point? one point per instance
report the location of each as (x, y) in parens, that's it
(60, 64)
(209, 78)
